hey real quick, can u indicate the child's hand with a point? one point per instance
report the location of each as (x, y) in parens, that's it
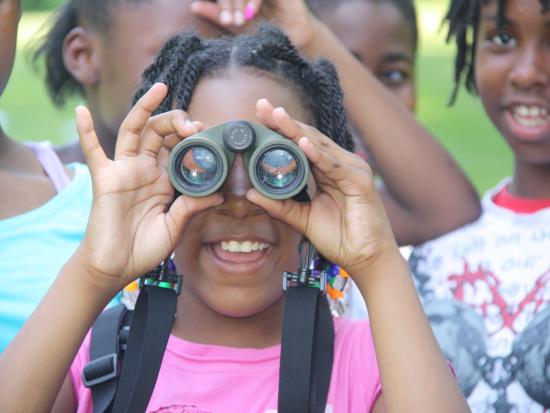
(227, 13)
(345, 219)
(133, 224)
(293, 16)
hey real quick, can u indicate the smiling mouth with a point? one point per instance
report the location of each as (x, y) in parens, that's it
(528, 122)
(239, 252)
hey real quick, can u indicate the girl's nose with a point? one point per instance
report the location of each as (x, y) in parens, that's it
(234, 191)
(531, 71)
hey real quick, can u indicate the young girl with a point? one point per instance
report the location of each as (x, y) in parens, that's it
(43, 211)
(223, 353)
(486, 286)
(101, 50)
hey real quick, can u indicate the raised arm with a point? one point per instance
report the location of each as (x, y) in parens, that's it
(415, 376)
(424, 191)
(132, 228)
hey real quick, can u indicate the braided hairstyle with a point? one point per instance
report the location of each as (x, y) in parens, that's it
(406, 7)
(187, 58)
(97, 14)
(463, 21)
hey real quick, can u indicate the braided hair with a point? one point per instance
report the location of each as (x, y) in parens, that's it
(186, 58)
(406, 7)
(463, 22)
(97, 14)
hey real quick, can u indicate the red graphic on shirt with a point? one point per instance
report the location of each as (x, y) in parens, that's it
(180, 408)
(509, 313)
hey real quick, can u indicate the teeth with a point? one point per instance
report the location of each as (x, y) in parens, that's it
(530, 111)
(245, 246)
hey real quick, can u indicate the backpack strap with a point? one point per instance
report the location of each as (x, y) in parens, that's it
(152, 322)
(100, 374)
(307, 348)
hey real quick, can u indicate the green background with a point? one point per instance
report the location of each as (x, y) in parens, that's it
(27, 113)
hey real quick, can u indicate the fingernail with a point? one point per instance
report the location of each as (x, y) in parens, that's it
(249, 11)
(238, 18)
(225, 17)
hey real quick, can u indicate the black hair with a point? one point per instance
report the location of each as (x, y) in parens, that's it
(186, 58)
(96, 13)
(463, 21)
(406, 7)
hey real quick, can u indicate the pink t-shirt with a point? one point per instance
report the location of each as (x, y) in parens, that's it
(198, 378)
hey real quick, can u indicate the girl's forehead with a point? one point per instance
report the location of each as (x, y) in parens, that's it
(233, 95)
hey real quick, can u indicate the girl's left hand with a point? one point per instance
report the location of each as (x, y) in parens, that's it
(345, 219)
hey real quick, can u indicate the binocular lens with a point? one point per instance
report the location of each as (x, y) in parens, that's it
(199, 167)
(278, 169)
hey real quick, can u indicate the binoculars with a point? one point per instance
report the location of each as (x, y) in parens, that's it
(277, 167)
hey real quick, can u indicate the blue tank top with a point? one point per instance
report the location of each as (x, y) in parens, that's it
(35, 245)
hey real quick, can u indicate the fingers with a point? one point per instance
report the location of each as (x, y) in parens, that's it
(279, 120)
(291, 212)
(227, 12)
(172, 140)
(174, 124)
(95, 156)
(128, 140)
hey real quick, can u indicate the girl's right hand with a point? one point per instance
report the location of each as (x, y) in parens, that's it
(133, 224)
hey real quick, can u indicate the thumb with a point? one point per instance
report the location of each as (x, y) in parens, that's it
(293, 213)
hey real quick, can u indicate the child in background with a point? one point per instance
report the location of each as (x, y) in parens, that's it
(223, 352)
(486, 286)
(419, 207)
(417, 204)
(44, 207)
(99, 49)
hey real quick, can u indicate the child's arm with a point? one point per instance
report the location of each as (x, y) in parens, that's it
(424, 191)
(133, 226)
(415, 376)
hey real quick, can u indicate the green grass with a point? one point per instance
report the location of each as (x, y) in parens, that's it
(27, 113)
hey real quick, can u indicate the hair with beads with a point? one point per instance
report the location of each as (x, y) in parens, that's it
(186, 58)
(462, 19)
(406, 7)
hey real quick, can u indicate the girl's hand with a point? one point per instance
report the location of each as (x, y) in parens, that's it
(133, 224)
(227, 13)
(345, 219)
(293, 16)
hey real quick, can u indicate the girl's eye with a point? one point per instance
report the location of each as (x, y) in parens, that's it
(393, 77)
(503, 39)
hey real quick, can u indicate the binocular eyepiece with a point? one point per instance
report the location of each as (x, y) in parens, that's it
(198, 165)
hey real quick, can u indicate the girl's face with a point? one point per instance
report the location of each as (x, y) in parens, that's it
(512, 72)
(10, 12)
(380, 37)
(218, 279)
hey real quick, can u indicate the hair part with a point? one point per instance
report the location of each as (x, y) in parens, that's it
(406, 7)
(462, 19)
(94, 13)
(186, 59)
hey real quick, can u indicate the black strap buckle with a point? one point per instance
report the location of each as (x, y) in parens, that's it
(163, 276)
(305, 277)
(100, 370)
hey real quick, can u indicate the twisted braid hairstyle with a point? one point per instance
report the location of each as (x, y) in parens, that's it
(406, 7)
(462, 19)
(186, 58)
(95, 13)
